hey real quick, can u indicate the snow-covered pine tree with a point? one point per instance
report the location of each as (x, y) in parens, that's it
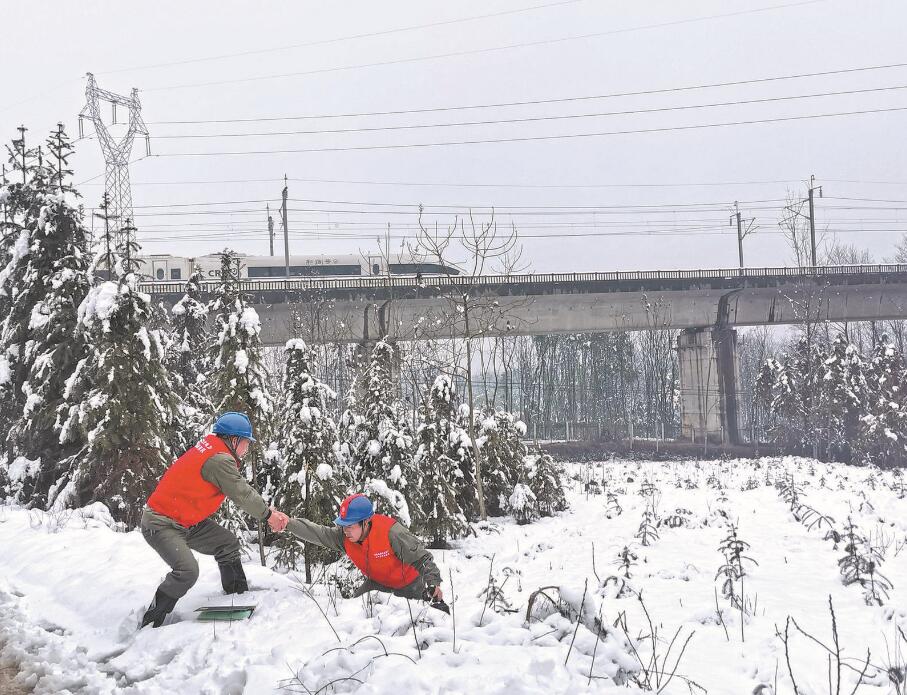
(314, 481)
(544, 479)
(382, 445)
(441, 445)
(119, 402)
(239, 381)
(467, 491)
(521, 504)
(843, 400)
(190, 360)
(883, 431)
(23, 202)
(57, 278)
(503, 452)
(793, 392)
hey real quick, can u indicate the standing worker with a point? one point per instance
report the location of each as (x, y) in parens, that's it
(392, 559)
(177, 520)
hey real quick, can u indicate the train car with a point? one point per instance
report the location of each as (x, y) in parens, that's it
(169, 268)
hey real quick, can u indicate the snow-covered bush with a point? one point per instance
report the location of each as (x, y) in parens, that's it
(544, 478)
(522, 504)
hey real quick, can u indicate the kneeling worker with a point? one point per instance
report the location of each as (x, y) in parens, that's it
(177, 520)
(392, 559)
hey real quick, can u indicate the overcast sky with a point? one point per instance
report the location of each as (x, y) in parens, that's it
(174, 53)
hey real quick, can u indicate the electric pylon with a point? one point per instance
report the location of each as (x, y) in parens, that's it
(116, 152)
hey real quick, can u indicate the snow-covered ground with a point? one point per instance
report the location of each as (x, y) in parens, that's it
(72, 589)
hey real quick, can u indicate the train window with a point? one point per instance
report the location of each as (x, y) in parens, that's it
(159, 273)
(376, 269)
(176, 274)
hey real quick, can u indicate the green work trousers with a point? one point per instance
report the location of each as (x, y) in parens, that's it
(414, 590)
(175, 543)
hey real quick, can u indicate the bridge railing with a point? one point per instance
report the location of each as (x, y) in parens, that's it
(434, 281)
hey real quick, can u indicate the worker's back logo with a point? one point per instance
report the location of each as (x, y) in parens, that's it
(203, 446)
(382, 553)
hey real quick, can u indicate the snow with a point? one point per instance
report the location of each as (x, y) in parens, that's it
(72, 589)
(521, 498)
(295, 344)
(22, 468)
(99, 304)
(5, 374)
(142, 335)
(241, 361)
(324, 471)
(249, 321)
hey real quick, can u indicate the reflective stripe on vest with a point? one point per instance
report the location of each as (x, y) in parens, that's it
(376, 559)
(182, 494)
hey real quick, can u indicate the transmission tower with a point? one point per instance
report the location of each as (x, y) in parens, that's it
(116, 152)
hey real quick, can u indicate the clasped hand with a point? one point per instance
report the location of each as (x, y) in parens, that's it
(278, 520)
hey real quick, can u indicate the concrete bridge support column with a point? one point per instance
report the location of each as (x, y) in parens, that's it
(708, 383)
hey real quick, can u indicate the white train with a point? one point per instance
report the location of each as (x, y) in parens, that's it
(167, 268)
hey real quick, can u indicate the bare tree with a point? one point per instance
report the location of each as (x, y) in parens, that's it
(466, 250)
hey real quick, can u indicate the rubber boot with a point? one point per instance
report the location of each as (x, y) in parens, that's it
(233, 578)
(159, 609)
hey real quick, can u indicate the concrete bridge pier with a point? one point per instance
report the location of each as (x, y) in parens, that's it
(708, 384)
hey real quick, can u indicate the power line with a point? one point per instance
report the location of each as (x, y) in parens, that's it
(479, 51)
(437, 184)
(464, 205)
(335, 236)
(526, 119)
(536, 138)
(541, 102)
(338, 39)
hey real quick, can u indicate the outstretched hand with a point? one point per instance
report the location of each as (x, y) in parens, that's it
(278, 520)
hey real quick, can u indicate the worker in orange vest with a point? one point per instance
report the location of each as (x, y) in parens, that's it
(385, 551)
(177, 517)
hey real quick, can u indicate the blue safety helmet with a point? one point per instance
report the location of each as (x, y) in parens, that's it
(354, 509)
(234, 425)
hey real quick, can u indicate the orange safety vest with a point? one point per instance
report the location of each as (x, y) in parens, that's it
(376, 559)
(182, 494)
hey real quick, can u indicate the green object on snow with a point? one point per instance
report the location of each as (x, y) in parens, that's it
(225, 612)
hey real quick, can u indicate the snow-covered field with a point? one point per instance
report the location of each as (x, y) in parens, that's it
(72, 589)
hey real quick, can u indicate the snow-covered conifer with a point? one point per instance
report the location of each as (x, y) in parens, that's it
(314, 481)
(883, 431)
(503, 454)
(56, 278)
(382, 446)
(26, 204)
(239, 383)
(441, 450)
(521, 504)
(843, 397)
(544, 479)
(190, 360)
(119, 402)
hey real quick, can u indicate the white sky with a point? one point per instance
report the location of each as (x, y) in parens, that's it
(47, 48)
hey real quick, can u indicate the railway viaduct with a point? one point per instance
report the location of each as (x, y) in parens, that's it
(706, 305)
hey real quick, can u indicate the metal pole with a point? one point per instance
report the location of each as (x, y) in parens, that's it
(739, 233)
(270, 227)
(812, 217)
(286, 232)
